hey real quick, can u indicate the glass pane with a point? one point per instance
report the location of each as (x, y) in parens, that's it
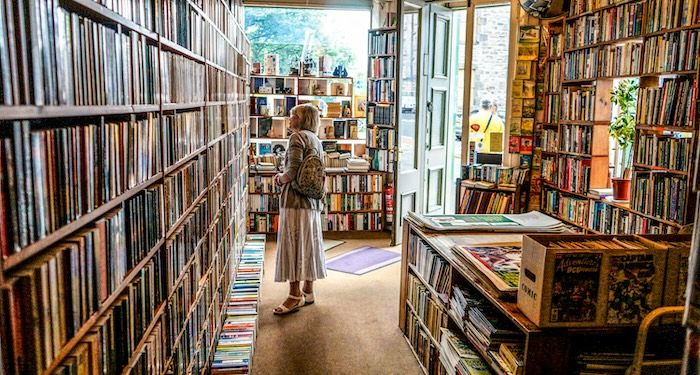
(489, 83)
(409, 77)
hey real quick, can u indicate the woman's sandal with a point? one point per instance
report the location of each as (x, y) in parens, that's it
(309, 298)
(282, 309)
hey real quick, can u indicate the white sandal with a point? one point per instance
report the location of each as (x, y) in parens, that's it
(309, 298)
(282, 309)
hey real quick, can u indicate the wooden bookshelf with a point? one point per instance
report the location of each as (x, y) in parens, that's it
(546, 350)
(152, 91)
(264, 203)
(639, 42)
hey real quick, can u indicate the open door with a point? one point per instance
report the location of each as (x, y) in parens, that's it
(436, 104)
(408, 186)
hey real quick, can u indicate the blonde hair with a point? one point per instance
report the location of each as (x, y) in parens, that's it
(309, 117)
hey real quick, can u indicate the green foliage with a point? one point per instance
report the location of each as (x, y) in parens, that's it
(284, 30)
(622, 125)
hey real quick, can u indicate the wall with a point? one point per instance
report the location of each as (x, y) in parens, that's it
(490, 58)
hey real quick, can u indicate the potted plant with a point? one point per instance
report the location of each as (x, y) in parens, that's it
(624, 96)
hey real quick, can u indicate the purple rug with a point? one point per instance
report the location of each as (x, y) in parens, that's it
(362, 260)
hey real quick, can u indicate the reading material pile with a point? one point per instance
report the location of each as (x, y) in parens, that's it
(533, 221)
(358, 165)
(497, 266)
(336, 161)
(458, 356)
(481, 322)
(234, 350)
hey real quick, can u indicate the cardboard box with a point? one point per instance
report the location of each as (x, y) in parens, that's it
(589, 287)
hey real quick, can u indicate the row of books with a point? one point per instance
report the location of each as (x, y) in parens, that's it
(382, 43)
(183, 80)
(671, 104)
(352, 221)
(496, 174)
(353, 202)
(566, 207)
(620, 60)
(263, 223)
(613, 23)
(381, 138)
(236, 342)
(426, 352)
(428, 264)
(263, 203)
(660, 195)
(663, 151)
(578, 103)
(550, 140)
(182, 188)
(370, 183)
(608, 219)
(63, 66)
(552, 104)
(184, 134)
(423, 306)
(574, 174)
(381, 160)
(556, 43)
(336, 160)
(672, 52)
(576, 139)
(553, 81)
(486, 202)
(48, 185)
(670, 14)
(549, 169)
(381, 67)
(380, 114)
(382, 91)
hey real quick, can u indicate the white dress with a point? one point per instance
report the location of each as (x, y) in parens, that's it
(300, 254)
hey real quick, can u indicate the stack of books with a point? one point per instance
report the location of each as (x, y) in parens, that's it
(265, 167)
(234, 350)
(485, 327)
(510, 357)
(454, 350)
(336, 161)
(357, 165)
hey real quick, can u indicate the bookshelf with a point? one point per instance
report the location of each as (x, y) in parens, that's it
(492, 189)
(354, 202)
(123, 152)
(599, 43)
(434, 280)
(382, 70)
(269, 126)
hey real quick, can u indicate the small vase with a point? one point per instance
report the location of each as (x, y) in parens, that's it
(621, 189)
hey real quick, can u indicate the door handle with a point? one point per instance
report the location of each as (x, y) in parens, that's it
(429, 106)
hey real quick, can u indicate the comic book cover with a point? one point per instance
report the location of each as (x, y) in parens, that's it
(575, 287)
(630, 285)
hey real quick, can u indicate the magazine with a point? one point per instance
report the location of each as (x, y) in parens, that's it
(533, 221)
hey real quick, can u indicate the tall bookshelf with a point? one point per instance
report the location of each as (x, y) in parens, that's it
(382, 129)
(123, 169)
(630, 39)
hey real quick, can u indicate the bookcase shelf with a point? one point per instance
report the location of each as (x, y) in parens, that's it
(648, 64)
(214, 157)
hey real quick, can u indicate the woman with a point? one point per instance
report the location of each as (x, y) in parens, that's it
(300, 255)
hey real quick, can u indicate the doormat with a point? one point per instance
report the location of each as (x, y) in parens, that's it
(362, 260)
(329, 244)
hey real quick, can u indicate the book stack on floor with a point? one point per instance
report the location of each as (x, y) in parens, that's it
(236, 344)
